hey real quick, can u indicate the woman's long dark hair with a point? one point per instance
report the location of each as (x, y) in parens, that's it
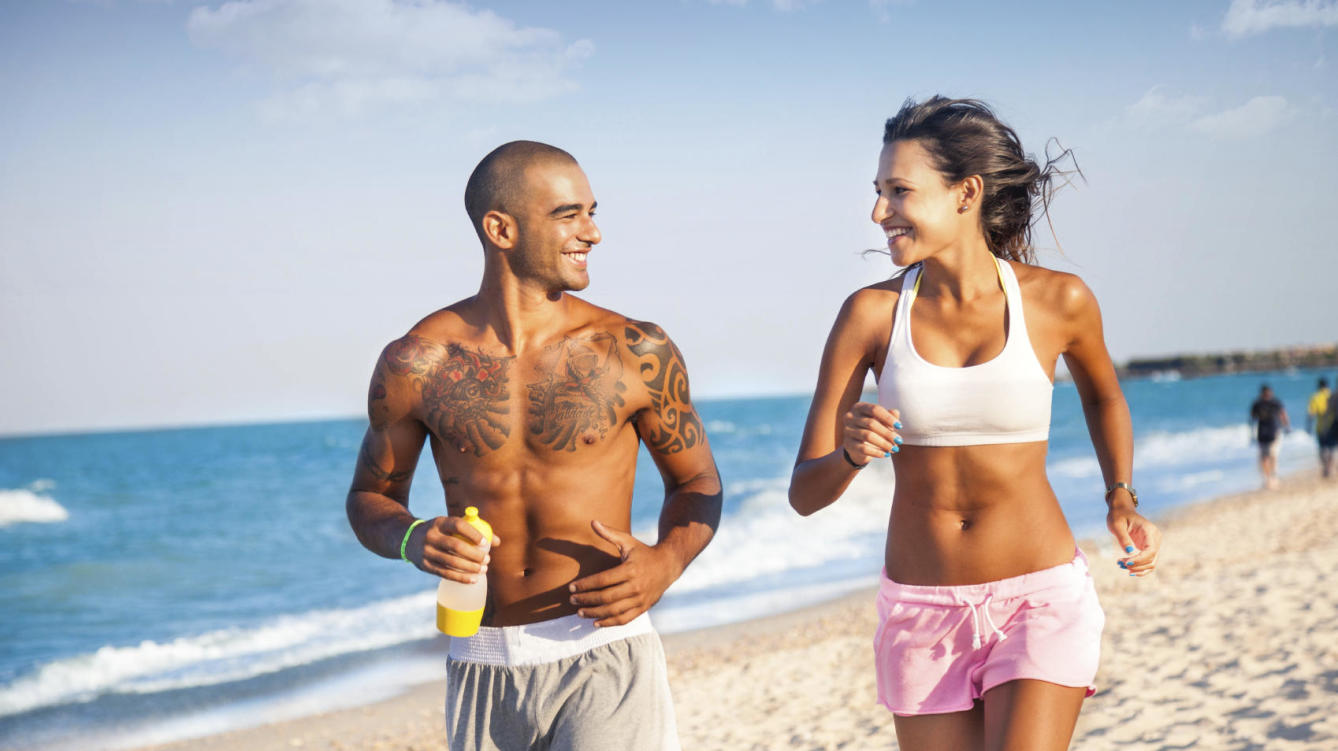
(963, 137)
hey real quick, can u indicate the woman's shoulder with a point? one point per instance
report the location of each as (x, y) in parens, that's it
(1063, 293)
(875, 300)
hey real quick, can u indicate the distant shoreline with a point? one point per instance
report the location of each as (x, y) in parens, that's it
(1235, 361)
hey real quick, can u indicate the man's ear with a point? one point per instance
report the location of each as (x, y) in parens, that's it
(501, 229)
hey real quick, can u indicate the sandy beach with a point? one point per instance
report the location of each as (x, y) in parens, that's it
(1233, 644)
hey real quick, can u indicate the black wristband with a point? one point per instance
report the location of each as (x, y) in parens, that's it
(850, 461)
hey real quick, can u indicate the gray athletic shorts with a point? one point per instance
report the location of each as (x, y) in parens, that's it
(558, 685)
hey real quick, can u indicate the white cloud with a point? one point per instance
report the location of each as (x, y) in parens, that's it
(1247, 17)
(882, 9)
(350, 55)
(1255, 118)
(1159, 109)
(780, 5)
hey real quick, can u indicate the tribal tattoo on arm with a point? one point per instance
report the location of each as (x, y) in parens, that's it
(676, 425)
(578, 393)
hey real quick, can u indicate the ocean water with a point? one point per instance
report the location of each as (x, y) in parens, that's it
(161, 584)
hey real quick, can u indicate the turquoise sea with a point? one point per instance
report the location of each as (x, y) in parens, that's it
(163, 584)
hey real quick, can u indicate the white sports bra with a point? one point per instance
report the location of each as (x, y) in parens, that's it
(1005, 400)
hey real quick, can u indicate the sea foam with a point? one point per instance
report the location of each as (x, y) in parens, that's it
(1171, 450)
(765, 536)
(28, 505)
(221, 656)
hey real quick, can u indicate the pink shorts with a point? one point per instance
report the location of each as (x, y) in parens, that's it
(939, 649)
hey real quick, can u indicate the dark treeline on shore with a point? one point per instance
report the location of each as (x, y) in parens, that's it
(1212, 363)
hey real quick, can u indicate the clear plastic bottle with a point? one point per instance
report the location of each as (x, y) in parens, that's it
(459, 605)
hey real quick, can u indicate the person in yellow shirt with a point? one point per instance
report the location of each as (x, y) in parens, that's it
(1320, 414)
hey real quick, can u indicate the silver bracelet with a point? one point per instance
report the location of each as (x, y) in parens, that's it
(1132, 493)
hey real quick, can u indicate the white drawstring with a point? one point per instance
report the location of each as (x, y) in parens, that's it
(976, 612)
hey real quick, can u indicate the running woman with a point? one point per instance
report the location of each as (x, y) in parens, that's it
(989, 626)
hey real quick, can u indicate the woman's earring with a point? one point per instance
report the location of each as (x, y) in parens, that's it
(963, 209)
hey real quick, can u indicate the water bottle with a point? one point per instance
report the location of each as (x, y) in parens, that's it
(459, 605)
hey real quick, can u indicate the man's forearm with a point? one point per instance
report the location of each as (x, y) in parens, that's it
(689, 518)
(378, 522)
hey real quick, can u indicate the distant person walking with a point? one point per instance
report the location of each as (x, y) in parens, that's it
(1319, 415)
(1267, 415)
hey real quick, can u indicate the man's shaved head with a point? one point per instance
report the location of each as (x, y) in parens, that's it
(496, 183)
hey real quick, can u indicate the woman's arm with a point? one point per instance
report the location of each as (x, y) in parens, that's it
(1108, 423)
(836, 419)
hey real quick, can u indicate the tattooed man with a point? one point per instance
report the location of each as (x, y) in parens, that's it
(533, 402)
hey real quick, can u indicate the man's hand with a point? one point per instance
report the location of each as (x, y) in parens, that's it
(440, 550)
(627, 590)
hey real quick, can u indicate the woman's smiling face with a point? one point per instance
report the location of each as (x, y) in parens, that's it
(918, 211)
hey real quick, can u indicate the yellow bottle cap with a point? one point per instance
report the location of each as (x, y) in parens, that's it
(473, 520)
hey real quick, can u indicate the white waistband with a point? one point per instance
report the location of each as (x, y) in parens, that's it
(545, 641)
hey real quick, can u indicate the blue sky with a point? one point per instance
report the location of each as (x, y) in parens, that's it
(221, 211)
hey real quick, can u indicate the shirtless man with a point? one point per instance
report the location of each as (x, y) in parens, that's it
(533, 402)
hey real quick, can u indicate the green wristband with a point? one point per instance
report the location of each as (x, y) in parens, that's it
(404, 544)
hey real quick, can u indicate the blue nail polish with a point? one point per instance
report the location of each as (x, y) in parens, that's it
(897, 440)
(1128, 548)
(1120, 564)
(888, 455)
(896, 449)
(897, 425)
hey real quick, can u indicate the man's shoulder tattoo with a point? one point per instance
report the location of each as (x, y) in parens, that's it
(666, 378)
(578, 392)
(411, 355)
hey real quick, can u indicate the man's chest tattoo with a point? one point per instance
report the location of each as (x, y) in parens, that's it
(465, 400)
(579, 391)
(575, 399)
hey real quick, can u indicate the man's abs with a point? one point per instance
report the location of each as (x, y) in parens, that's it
(542, 511)
(543, 442)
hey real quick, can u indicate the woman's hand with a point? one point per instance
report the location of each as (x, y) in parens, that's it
(870, 431)
(1139, 538)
